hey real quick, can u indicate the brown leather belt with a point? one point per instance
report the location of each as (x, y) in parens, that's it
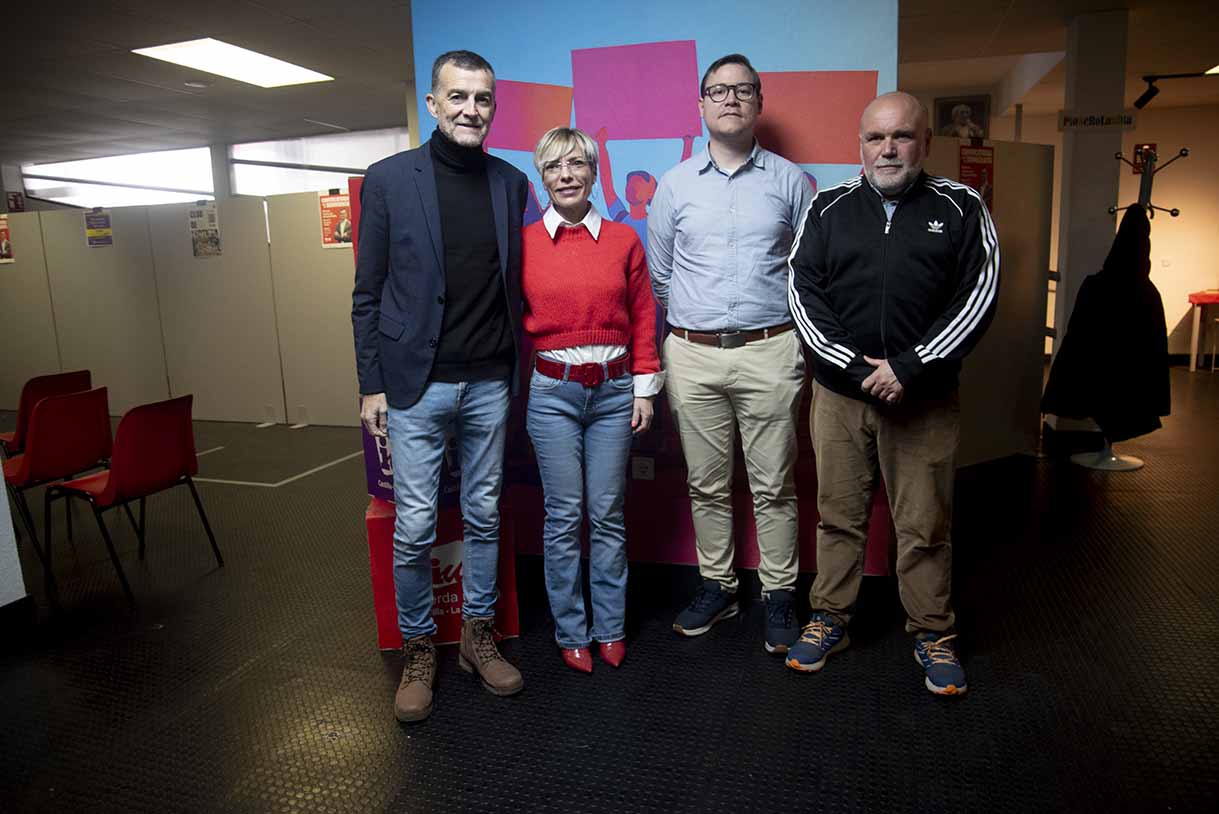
(730, 339)
(589, 375)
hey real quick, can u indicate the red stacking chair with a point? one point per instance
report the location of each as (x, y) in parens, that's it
(154, 449)
(67, 435)
(34, 391)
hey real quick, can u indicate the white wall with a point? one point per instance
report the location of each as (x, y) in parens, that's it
(107, 316)
(148, 318)
(28, 344)
(1184, 252)
(313, 315)
(218, 313)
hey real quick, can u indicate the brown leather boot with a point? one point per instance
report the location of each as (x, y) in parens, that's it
(413, 701)
(478, 654)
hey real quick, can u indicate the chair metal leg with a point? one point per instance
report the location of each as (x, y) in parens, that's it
(48, 531)
(114, 557)
(138, 528)
(207, 526)
(67, 513)
(8, 488)
(143, 527)
(23, 508)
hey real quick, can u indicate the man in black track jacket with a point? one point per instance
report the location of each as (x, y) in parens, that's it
(893, 279)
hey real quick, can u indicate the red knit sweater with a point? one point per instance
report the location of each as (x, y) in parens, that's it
(580, 291)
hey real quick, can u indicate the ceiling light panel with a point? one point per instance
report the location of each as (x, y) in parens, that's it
(223, 59)
(1214, 70)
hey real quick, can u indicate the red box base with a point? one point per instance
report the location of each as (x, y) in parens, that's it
(446, 576)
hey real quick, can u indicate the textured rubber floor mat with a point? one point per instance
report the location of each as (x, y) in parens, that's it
(1089, 615)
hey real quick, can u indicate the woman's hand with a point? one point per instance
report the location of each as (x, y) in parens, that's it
(641, 415)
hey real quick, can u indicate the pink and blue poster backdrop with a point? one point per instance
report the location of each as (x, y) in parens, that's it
(645, 91)
(525, 110)
(628, 73)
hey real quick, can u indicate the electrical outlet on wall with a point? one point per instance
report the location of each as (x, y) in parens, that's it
(643, 468)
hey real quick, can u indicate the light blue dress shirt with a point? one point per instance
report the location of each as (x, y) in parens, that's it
(718, 243)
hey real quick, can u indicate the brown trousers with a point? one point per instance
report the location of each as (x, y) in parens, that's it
(913, 446)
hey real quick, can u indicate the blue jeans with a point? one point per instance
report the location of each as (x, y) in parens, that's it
(476, 412)
(582, 436)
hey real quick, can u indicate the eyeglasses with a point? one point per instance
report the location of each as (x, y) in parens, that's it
(573, 164)
(743, 92)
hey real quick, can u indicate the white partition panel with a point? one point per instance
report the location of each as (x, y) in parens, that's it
(313, 308)
(12, 582)
(105, 304)
(1001, 379)
(27, 328)
(218, 313)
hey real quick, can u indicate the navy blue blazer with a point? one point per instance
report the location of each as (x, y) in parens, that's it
(398, 301)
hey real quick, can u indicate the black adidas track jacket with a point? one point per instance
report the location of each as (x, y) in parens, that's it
(919, 290)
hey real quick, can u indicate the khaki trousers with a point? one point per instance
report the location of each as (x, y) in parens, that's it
(756, 387)
(913, 446)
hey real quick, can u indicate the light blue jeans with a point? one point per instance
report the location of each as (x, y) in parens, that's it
(476, 412)
(582, 436)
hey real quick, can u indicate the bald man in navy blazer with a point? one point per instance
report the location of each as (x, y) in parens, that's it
(437, 317)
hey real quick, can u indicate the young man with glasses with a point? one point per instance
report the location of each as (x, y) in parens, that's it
(719, 232)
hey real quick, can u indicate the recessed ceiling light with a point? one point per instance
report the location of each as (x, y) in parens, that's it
(223, 59)
(1214, 69)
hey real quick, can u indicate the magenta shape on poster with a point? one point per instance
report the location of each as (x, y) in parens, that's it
(524, 111)
(640, 91)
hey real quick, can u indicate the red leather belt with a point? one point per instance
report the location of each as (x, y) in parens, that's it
(730, 339)
(589, 375)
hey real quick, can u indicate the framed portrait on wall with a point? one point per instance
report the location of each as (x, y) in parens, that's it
(963, 116)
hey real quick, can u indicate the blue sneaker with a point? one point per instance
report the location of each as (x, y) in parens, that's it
(938, 657)
(711, 604)
(821, 636)
(781, 628)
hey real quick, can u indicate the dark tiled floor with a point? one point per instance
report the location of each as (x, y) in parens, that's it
(1088, 601)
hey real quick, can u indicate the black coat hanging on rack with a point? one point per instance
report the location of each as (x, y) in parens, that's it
(1113, 363)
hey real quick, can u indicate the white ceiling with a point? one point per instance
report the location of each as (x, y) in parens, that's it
(81, 93)
(952, 45)
(78, 92)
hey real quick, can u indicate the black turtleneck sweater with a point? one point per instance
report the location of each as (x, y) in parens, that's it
(475, 334)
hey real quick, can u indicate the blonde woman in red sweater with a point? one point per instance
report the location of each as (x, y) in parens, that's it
(590, 313)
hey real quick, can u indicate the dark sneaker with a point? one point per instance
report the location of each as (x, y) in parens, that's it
(938, 656)
(711, 604)
(821, 636)
(413, 701)
(781, 628)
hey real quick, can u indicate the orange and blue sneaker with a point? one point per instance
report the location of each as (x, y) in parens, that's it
(938, 657)
(820, 637)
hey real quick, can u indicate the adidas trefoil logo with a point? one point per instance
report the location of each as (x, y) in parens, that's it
(935, 227)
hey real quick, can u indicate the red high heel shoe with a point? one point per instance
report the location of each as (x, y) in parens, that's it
(612, 653)
(578, 658)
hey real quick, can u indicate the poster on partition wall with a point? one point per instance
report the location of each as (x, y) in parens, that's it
(204, 229)
(6, 243)
(99, 232)
(978, 171)
(335, 212)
